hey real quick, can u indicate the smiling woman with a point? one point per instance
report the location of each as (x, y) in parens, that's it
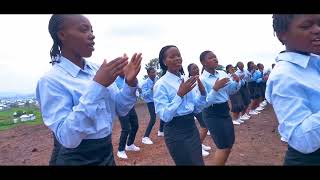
(79, 99)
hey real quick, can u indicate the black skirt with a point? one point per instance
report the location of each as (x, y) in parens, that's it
(254, 89)
(219, 123)
(263, 89)
(183, 141)
(199, 117)
(236, 102)
(89, 152)
(55, 151)
(245, 95)
(296, 158)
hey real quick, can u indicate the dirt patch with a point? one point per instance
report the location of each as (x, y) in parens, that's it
(257, 143)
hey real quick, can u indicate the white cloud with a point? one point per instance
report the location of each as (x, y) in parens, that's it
(25, 41)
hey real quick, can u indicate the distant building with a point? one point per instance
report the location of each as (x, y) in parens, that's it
(21, 104)
(3, 106)
(27, 117)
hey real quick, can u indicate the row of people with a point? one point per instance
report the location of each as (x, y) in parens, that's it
(79, 100)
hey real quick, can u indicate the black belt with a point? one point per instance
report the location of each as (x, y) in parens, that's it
(219, 105)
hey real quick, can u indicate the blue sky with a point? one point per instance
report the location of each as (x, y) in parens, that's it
(25, 41)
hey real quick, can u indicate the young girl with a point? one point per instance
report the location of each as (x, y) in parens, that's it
(216, 116)
(129, 127)
(252, 86)
(175, 102)
(265, 75)
(293, 86)
(194, 71)
(147, 93)
(78, 99)
(237, 105)
(244, 91)
(257, 77)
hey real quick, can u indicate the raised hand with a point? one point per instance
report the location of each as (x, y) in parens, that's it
(108, 72)
(132, 69)
(220, 83)
(187, 86)
(201, 87)
(235, 77)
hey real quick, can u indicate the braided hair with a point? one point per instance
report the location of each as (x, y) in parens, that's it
(189, 68)
(281, 23)
(227, 68)
(55, 25)
(162, 57)
(150, 69)
(238, 64)
(249, 66)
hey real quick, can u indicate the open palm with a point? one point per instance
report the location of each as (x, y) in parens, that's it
(132, 69)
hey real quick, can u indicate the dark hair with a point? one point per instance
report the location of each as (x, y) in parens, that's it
(238, 64)
(54, 27)
(189, 68)
(259, 64)
(203, 55)
(162, 57)
(281, 23)
(248, 65)
(150, 69)
(227, 67)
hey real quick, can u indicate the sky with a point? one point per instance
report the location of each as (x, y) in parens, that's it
(26, 42)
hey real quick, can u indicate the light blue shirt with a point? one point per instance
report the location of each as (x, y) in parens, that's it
(251, 76)
(120, 82)
(168, 104)
(257, 76)
(246, 76)
(222, 95)
(293, 89)
(245, 73)
(75, 107)
(242, 82)
(147, 90)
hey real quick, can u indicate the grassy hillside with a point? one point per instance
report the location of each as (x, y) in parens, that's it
(6, 117)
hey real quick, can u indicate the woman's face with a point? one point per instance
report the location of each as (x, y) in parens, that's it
(173, 59)
(194, 70)
(211, 61)
(77, 36)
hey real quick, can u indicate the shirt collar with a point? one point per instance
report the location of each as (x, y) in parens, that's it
(173, 77)
(295, 58)
(70, 67)
(151, 80)
(207, 74)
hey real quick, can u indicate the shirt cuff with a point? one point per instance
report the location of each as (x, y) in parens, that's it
(128, 90)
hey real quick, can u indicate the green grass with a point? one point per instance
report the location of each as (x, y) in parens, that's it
(6, 118)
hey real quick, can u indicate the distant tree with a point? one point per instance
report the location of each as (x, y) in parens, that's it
(19, 113)
(15, 115)
(14, 105)
(155, 64)
(30, 112)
